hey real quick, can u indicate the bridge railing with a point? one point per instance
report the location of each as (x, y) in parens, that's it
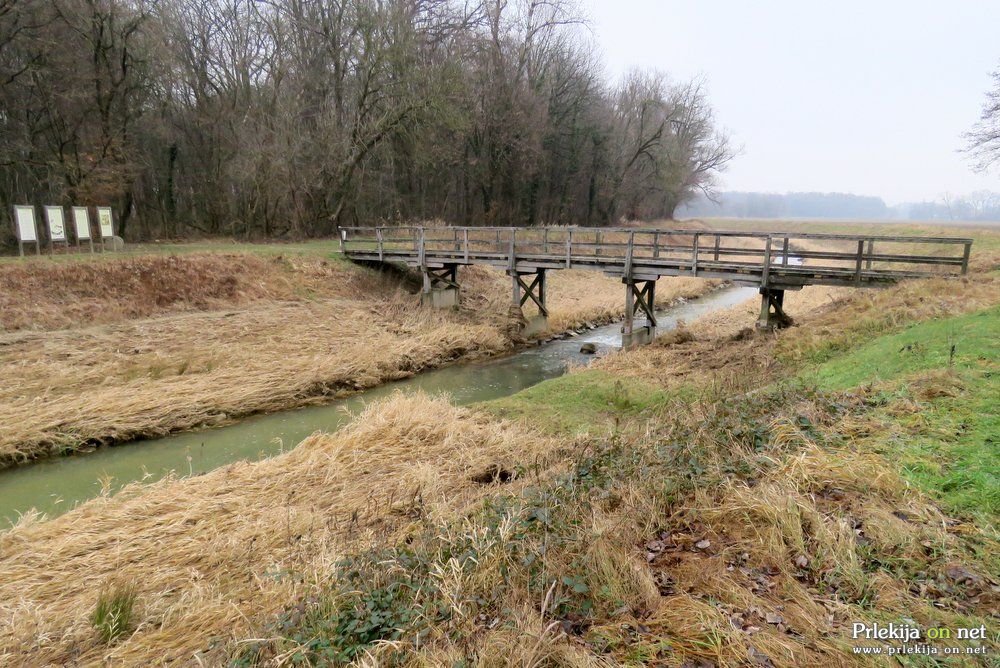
(720, 250)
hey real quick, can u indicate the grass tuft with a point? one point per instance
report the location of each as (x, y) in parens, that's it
(112, 616)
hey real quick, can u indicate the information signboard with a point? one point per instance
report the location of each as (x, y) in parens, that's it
(56, 219)
(107, 222)
(81, 222)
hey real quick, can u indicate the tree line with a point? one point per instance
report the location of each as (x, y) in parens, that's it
(981, 205)
(786, 205)
(269, 118)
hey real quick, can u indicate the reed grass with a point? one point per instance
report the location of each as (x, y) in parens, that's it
(212, 557)
(73, 388)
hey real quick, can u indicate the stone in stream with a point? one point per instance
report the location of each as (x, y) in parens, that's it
(588, 348)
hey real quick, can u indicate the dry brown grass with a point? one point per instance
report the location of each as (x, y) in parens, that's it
(47, 296)
(213, 556)
(216, 556)
(719, 347)
(146, 377)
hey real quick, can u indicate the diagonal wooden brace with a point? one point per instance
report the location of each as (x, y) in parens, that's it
(445, 277)
(772, 313)
(533, 290)
(639, 297)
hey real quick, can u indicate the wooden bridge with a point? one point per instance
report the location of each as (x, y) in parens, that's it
(772, 262)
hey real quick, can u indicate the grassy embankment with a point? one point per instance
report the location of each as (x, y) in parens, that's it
(709, 498)
(109, 349)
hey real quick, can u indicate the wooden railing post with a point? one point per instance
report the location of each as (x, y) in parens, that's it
(512, 257)
(718, 243)
(861, 255)
(378, 236)
(628, 255)
(656, 244)
(784, 253)
(694, 255)
(767, 263)
(870, 252)
(569, 249)
(465, 243)
(422, 248)
(965, 258)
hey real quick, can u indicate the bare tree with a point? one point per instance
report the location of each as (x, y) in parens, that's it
(984, 138)
(287, 117)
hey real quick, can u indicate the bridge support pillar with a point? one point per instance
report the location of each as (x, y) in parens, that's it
(772, 314)
(525, 286)
(441, 289)
(639, 297)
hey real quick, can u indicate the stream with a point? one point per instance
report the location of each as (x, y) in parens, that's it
(54, 486)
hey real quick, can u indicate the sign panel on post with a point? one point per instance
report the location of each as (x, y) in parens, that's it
(81, 221)
(106, 221)
(26, 230)
(57, 223)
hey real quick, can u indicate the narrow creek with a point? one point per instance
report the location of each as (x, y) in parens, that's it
(56, 485)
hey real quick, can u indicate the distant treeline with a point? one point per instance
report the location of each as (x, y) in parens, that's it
(980, 205)
(289, 117)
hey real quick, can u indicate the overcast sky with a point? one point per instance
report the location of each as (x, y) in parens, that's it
(866, 97)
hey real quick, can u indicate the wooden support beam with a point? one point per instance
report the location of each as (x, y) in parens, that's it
(534, 290)
(639, 297)
(772, 314)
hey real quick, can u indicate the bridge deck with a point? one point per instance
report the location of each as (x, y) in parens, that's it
(769, 260)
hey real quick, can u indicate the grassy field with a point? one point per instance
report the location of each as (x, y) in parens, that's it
(324, 248)
(113, 349)
(712, 499)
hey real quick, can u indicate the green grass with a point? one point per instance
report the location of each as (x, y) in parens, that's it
(950, 448)
(919, 348)
(578, 402)
(112, 616)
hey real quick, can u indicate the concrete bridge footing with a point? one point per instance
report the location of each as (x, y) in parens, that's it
(639, 336)
(440, 289)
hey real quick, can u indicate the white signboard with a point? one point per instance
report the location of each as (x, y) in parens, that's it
(26, 230)
(57, 223)
(106, 220)
(81, 222)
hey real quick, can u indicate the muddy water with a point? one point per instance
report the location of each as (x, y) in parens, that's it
(56, 485)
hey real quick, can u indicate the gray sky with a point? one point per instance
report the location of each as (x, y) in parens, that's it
(865, 97)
